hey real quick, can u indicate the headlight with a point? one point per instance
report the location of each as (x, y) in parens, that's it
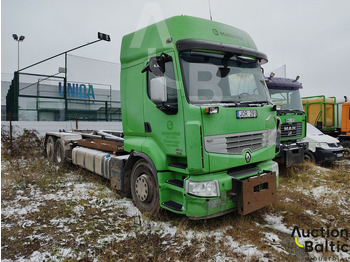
(278, 136)
(203, 189)
(322, 145)
(271, 137)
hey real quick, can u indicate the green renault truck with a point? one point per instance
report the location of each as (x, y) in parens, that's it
(285, 93)
(199, 128)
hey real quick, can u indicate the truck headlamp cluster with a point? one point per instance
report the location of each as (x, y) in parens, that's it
(270, 137)
(203, 188)
(278, 137)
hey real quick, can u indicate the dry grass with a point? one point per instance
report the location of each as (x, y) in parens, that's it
(68, 214)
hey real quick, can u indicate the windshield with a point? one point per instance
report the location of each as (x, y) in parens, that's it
(211, 78)
(288, 99)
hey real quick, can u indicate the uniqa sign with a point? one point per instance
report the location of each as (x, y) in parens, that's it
(77, 90)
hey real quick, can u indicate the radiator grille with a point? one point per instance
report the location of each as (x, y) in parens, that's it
(236, 143)
(291, 130)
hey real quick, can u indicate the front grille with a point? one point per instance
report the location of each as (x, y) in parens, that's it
(236, 143)
(291, 130)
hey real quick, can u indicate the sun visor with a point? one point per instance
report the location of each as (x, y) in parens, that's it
(197, 44)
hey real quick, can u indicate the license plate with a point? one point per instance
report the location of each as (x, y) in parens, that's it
(246, 113)
(340, 155)
(289, 120)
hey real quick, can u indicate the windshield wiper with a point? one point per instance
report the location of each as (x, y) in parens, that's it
(229, 103)
(295, 111)
(253, 103)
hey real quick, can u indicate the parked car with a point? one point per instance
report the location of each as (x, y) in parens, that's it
(322, 148)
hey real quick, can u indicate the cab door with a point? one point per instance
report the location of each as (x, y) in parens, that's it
(163, 112)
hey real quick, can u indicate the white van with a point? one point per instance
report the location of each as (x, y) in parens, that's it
(322, 148)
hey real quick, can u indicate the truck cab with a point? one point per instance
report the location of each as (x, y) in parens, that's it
(197, 118)
(286, 95)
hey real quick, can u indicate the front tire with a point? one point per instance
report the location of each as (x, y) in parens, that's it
(144, 188)
(309, 157)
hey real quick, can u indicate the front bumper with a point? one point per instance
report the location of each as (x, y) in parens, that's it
(245, 190)
(255, 192)
(292, 154)
(328, 155)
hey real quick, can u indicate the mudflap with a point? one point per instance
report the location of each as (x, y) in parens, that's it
(255, 192)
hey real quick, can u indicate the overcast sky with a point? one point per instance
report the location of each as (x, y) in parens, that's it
(311, 37)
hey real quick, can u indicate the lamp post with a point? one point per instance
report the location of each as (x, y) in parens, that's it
(18, 39)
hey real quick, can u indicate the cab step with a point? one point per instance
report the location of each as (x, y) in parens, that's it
(176, 182)
(173, 205)
(178, 167)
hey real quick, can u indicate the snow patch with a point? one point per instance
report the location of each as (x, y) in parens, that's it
(276, 223)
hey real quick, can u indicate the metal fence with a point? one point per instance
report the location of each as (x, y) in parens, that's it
(84, 89)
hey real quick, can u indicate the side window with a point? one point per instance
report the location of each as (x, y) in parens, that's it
(170, 83)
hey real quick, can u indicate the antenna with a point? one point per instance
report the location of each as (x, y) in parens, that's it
(211, 18)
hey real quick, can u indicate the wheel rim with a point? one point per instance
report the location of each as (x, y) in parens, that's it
(142, 188)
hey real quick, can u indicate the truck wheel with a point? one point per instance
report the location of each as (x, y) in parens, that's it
(309, 157)
(59, 156)
(50, 148)
(144, 189)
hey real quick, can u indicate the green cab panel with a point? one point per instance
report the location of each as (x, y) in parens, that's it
(163, 36)
(228, 146)
(293, 126)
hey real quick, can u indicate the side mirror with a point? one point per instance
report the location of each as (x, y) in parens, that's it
(158, 90)
(157, 66)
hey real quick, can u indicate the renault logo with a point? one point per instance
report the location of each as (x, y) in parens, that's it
(247, 157)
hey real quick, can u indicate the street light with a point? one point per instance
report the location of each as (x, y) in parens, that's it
(18, 39)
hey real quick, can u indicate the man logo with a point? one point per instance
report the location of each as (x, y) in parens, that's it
(247, 157)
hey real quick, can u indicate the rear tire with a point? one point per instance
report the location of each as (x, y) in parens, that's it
(309, 157)
(59, 156)
(50, 148)
(144, 188)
